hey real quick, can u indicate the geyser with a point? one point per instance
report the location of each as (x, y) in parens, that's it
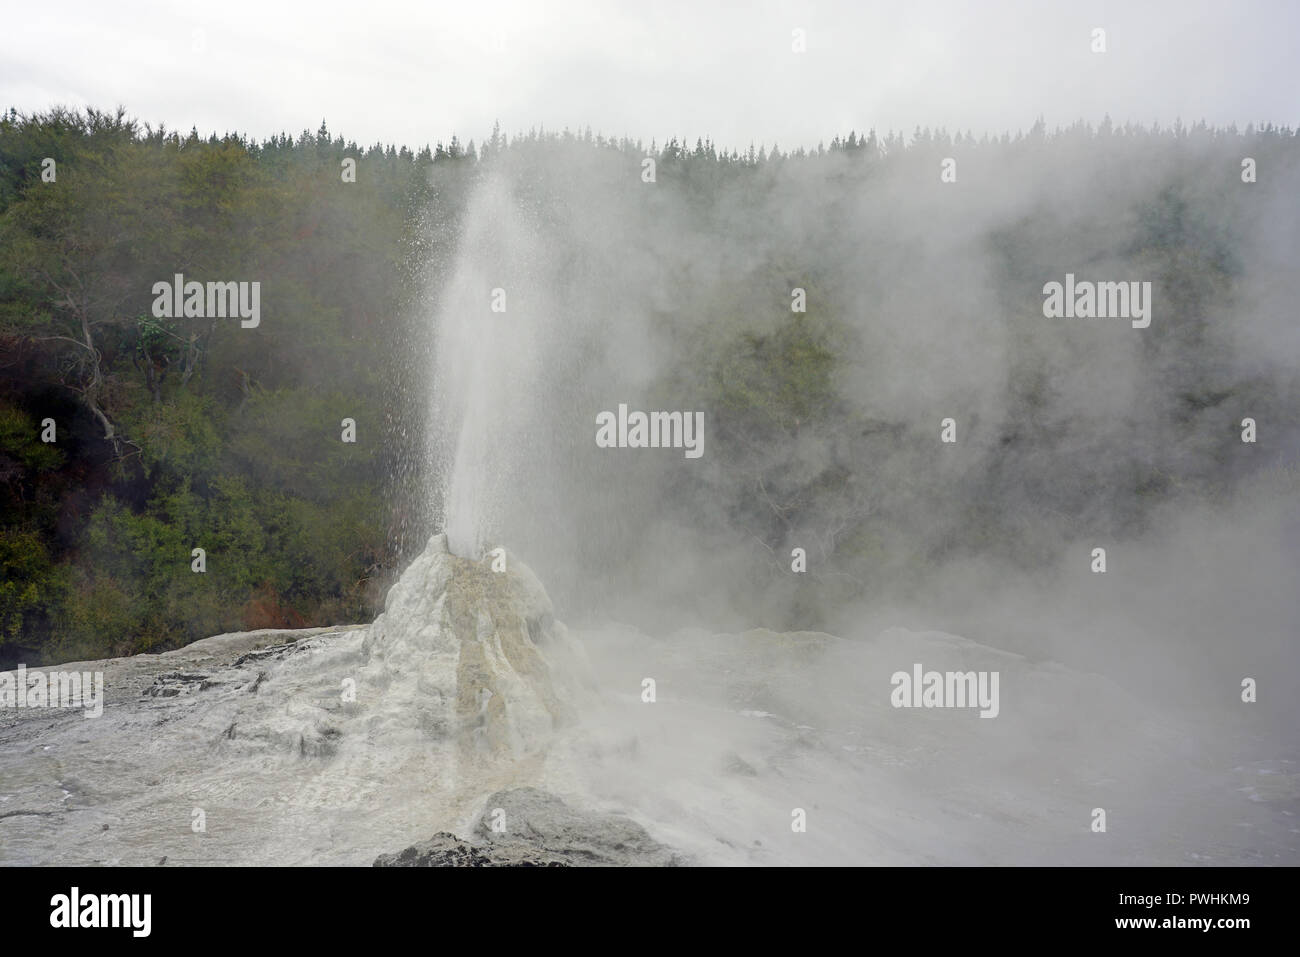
(490, 331)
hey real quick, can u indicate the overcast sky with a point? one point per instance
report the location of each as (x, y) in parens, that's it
(417, 72)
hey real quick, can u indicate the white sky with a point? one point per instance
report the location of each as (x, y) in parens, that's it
(414, 73)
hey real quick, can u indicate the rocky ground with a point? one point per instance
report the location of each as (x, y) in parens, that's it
(531, 828)
(467, 727)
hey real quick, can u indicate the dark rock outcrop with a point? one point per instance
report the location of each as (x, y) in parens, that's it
(447, 850)
(527, 827)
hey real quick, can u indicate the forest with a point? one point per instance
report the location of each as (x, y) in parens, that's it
(128, 439)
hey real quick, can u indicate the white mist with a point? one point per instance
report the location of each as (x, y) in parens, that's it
(489, 334)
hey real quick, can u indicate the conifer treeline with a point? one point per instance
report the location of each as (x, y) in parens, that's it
(179, 432)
